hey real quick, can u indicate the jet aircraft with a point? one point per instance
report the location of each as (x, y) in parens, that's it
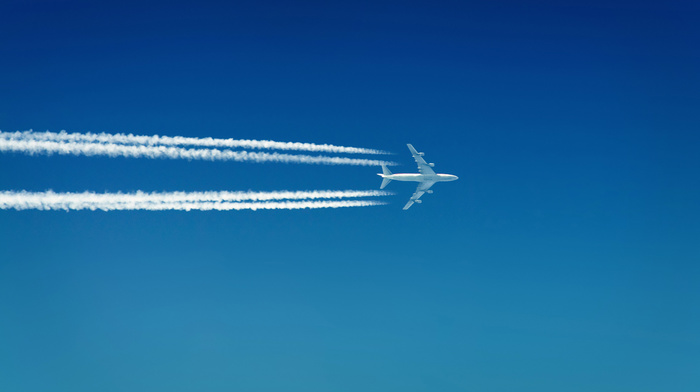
(426, 178)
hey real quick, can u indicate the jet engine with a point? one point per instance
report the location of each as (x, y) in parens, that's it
(419, 201)
(429, 191)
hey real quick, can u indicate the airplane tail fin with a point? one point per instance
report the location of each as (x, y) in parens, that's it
(385, 172)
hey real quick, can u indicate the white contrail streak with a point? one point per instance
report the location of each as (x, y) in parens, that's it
(208, 142)
(221, 201)
(146, 151)
(208, 206)
(176, 197)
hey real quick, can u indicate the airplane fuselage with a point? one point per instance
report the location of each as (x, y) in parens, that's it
(417, 177)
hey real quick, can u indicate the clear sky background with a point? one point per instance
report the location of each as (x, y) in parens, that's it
(566, 257)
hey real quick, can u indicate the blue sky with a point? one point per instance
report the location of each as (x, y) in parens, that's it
(565, 257)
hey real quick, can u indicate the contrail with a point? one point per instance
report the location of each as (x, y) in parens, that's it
(208, 142)
(176, 197)
(206, 206)
(147, 151)
(220, 201)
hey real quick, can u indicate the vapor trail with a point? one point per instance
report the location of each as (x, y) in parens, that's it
(146, 151)
(221, 201)
(208, 142)
(177, 197)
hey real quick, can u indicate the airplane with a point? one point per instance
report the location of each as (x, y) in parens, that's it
(426, 178)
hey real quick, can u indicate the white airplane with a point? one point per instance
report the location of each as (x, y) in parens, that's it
(426, 178)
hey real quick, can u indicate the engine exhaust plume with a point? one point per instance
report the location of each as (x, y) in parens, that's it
(187, 201)
(153, 152)
(208, 142)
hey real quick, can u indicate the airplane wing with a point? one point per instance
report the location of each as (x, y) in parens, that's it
(422, 187)
(424, 167)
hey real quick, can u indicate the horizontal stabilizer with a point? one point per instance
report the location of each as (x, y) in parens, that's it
(385, 170)
(385, 182)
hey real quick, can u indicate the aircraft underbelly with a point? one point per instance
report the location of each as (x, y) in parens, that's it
(426, 177)
(407, 177)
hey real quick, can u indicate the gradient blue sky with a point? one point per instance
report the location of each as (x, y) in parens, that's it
(565, 258)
